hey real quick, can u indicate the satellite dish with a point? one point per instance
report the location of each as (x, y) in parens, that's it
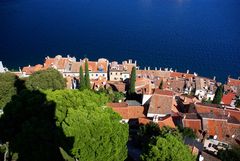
(215, 137)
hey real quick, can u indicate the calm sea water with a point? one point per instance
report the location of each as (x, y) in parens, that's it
(200, 35)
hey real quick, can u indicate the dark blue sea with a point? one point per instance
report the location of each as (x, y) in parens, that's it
(200, 35)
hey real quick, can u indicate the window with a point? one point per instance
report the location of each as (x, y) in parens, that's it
(111, 73)
(103, 75)
(116, 73)
(96, 75)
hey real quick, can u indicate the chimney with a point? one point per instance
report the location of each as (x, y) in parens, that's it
(130, 61)
(144, 68)
(187, 71)
(29, 65)
(175, 70)
(214, 78)
(20, 70)
(160, 69)
(155, 68)
(135, 62)
(148, 68)
(229, 114)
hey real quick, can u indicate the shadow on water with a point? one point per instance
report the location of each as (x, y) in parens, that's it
(29, 125)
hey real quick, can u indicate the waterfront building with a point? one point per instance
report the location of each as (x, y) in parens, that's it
(121, 72)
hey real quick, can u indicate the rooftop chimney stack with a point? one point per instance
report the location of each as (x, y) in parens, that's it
(214, 78)
(144, 68)
(187, 71)
(160, 69)
(148, 68)
(130, 61)
(155, 68)
(135, 62)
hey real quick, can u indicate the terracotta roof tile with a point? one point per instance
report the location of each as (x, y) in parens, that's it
(164, 92)
(227, 98)
(161, 103)
(181, 75)
(233, 82)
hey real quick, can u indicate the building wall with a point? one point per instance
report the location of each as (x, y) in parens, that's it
(118, 76)
(96, 75)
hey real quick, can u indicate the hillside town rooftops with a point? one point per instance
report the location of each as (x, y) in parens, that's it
(164, 92)
(233, 82)
(28, 70)
(227, 98)
(161, 103)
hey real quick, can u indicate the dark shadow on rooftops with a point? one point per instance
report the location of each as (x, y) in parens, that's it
(28, 124)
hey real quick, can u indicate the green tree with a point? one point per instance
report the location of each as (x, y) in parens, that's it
(167, 148)
(161, 85)
(87, 79)
(28, 124)
(132, 81)
(230, 154)
(146, 132)
(46, 79)
(187, 132)
(96, 129)
(7, 88)
(81, 79)
(165, 130)
(218, 95)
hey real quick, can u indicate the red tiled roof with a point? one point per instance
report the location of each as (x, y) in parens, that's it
(181, 75)
(48, 63)
(166, 121)
(62, 63)
(127, 112)
(164, 92)
(31, 69)
(205, 108)
(233, 82)
(227, 98)
(142, 82)
(161, 103)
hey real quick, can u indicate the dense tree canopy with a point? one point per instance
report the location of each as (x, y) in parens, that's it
(82, 85)
(150, 130)
(69, 124)
(28, 125)
(132, 80)
(7, 88)
(46, 79)
(87, 79)
(218, 95)
(230, 154)
(167, 148)
(97, 132)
